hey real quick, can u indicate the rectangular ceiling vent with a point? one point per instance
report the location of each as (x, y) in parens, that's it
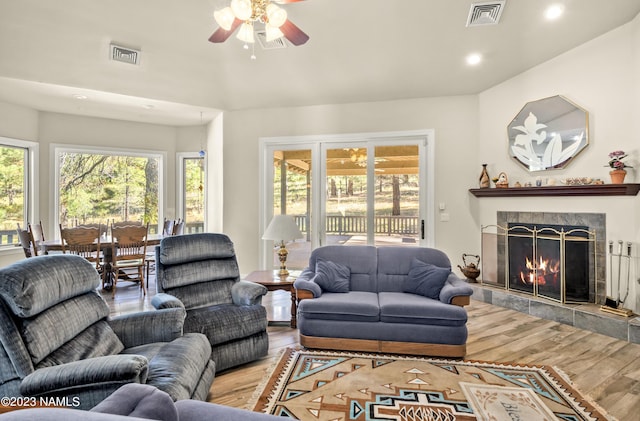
(485, 13)
(125, 54)
(270, 45)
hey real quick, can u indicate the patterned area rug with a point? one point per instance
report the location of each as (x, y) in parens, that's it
(328, 386)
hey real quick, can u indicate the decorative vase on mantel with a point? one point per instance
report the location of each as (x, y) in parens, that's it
(617, 176)
(485, 180)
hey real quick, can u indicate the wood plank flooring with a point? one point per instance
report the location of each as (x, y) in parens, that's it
(605, 369)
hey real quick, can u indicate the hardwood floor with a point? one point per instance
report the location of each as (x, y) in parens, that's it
(605, 369)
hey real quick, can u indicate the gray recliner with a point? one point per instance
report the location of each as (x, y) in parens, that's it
(58, 340)
(200, 273)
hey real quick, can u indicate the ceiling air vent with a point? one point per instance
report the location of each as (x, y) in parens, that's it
(270, 45)
(485, 13)
(125, 54)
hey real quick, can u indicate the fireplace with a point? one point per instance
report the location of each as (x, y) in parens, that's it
(556, 256)
(550, 261)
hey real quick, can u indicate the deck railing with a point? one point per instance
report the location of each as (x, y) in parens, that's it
(386, 225)
(9, 237)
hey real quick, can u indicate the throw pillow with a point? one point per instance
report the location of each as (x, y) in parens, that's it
(426, 279)
(331, 276)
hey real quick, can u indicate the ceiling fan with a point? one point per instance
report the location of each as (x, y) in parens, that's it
(244, 14)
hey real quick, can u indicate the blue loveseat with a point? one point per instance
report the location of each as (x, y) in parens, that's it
(382, 299)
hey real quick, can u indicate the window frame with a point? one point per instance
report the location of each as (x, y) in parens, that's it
(180, 183)
(31, 184)
(57, 148)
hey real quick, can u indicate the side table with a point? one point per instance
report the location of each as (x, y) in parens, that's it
(272, 281)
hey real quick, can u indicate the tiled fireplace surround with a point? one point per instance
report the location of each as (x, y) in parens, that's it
(586, 316)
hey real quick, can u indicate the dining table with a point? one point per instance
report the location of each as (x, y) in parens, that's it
(105, 247)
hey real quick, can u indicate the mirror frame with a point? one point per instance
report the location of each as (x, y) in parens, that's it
(548, 133)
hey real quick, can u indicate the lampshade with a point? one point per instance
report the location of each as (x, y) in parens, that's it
(272, 32)
(282, 228)
(277, 16)
(242, 9)
(246, 33)
(224, 18)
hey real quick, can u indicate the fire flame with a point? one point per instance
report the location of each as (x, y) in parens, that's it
(542, 271)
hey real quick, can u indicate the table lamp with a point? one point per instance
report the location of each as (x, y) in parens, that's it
(282, 228)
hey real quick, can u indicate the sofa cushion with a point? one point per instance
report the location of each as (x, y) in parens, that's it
(139, 400)
(425, 279)
(175, 367)
(77, 325)
(31, 286)
(331, 276)
(361, 260)
(356, 306)
(226, 322)
(398, 307)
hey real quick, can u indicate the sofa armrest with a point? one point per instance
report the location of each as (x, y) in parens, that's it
(91, 373)
(305, 287)
(245, 293)
(456, 291)
(135, 329)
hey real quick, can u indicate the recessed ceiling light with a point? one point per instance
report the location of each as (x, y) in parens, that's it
(474, 59)
(554, 11)
(80, 96)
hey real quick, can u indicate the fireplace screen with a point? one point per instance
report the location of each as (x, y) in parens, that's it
(550, 261)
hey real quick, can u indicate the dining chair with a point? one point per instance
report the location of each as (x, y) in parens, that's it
(178, 227)
(128, 251)
(26, 241)
(83, 241)
(37, 233)
(167, 228)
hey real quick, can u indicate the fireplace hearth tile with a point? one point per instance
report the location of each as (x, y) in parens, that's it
(514, 302)
(584, 316)
(616, 328)
(551, 311)
(634, 330)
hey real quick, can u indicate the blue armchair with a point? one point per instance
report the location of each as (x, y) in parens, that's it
(199, 272)
(58, 341)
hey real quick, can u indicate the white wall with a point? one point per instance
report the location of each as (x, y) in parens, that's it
(601, 76)
(454, 120)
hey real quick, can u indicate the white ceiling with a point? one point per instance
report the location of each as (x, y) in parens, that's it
(359, 51)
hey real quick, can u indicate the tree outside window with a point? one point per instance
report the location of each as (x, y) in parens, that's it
(13, 194)
(101, 188)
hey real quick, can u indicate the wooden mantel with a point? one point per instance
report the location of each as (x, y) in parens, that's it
(629, 189)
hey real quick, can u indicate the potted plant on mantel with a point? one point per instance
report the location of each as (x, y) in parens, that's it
(617, 166)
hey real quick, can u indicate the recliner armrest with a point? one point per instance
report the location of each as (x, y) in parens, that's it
(455, 291)
(245, 293)
(164, 300)
(135, 329)
(110, 369)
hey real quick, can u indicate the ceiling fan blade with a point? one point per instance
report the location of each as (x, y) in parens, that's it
(221, 34)
(293, 33)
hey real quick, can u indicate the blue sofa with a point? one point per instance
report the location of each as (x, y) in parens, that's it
(394, 300)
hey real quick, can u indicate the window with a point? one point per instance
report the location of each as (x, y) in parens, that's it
(192, 182)
(101, 187)
(17, 188)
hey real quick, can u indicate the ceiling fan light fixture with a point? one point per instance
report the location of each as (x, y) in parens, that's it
(246, 33)
(242, 9)
(276, 16)
(224, 18)
(272, 32)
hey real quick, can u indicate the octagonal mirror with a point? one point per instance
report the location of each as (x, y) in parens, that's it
(548, 133)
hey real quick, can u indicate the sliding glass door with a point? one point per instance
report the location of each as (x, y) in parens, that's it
(355, 191)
